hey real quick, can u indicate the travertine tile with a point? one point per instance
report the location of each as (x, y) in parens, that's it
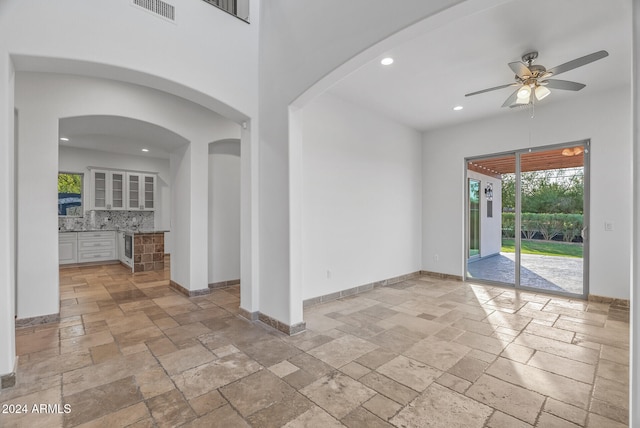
(207, 402)
(362, 418)
(337, 394)
(543, 382)
(547, 420)
(170, 409)
(207, 377)
(563, 366)
(510, 399)
(414, 374)
(343, 350)
(314, 417)
(502, 420)
(389, 388)
(565, 411)
(597, 421)
(283, 369)
(441, 407)
(555, 347)
(354, 370)
(124, 330)
(97, 402)
(184, 359)
(382, 407)
(256, 392)
(437, 353)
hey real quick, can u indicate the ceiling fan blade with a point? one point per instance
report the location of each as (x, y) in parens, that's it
(521, 69)
(490, 89)
(578, 62)
(512, 99)
(563, 84)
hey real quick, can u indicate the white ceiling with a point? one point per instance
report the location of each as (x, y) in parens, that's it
(431, 73)
(117, 134)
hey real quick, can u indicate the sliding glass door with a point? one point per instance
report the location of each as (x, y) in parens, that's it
(531, 219)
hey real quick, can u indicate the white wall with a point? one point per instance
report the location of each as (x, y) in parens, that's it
(361, 211)
(490, 228)
(297, 49)
(73, 159)
(7, 220)
(76, 30)
(44, 98)
(611, 180)
(224, 211)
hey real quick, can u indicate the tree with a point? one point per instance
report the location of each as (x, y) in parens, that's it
(69, 183)
(549, 191)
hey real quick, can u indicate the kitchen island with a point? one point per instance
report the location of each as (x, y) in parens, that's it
(143, 250)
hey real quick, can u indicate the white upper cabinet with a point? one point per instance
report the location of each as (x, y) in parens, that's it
(118, 190)
(142, 190)
(107, 189)
(122, 190)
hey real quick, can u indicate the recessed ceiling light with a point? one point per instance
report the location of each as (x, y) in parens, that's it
(386, 61)
(145, 150)
(458, 108)
(64, 139)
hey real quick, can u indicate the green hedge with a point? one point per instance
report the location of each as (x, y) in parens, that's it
(546, 226)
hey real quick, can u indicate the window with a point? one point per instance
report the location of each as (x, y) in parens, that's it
(70, 197)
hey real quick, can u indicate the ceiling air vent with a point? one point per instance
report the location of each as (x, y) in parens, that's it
(158, 7)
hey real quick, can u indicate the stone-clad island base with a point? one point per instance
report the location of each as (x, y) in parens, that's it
(148, 251)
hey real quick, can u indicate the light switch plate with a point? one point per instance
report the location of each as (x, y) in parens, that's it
(608, 226)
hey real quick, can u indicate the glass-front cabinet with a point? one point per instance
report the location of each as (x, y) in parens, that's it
(122, 190)
(107, 190)
(142, 188)
(117, 190)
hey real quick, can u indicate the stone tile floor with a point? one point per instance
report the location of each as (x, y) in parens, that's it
(129, 351)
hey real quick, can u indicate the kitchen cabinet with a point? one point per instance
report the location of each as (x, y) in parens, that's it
(141, 190)
(96, 246)
(107, 189)
(122, 190)
(67, 248)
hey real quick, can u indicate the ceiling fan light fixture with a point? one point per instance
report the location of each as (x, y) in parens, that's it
(542, 92)
(524, 92)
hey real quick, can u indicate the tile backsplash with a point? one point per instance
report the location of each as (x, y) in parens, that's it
(108, 220)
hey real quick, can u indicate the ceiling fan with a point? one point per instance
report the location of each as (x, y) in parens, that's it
(533, 81)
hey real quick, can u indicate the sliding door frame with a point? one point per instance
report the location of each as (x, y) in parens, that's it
(518, 221)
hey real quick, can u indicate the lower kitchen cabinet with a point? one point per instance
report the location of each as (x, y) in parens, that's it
(67, 248)
(96, 246)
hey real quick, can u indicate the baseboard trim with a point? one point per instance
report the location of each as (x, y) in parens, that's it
(251, 316)
(9, 380)
(223, 284)
(39, 320)
(619, 303)
(189, 293)
(359, 289)
(88, 264)
(279, 325)
(441, 275)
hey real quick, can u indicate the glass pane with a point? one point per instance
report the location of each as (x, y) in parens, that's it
(552, 195)
(491, 190)
(474, 217)
(70, 194)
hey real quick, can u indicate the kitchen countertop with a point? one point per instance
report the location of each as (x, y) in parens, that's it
(127, 231)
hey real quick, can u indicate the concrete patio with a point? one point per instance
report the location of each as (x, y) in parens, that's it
(554, 273)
